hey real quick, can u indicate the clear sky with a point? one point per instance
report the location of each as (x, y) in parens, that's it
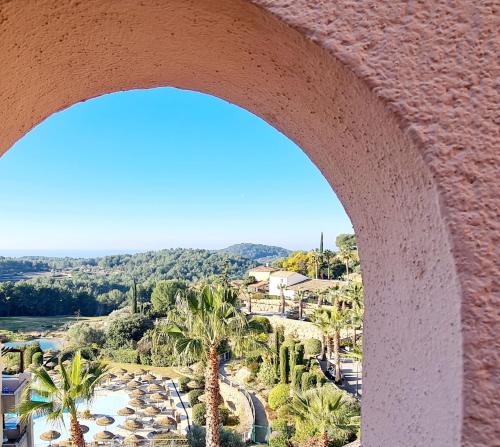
(160, 168)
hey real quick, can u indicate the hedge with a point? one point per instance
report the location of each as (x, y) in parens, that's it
(193, 397)
(262, 323)
(199, 413)
(183, 381)
(297, 373)
(279, 396)
(29, 350)
(312, 347)
(284, 364)
(37, 358)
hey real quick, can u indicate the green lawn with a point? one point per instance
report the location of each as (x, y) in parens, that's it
(38, 324)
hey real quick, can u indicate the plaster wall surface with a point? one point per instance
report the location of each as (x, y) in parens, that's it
(395, 104)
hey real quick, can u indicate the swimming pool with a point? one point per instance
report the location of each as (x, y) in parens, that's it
(46, 344)
(105, 402)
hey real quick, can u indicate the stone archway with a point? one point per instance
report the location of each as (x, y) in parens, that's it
(393, 102)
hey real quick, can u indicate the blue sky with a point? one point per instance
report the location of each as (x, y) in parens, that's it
(160, 168)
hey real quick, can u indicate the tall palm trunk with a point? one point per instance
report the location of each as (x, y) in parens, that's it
(323, 347)
(76, 432)
(213, 396)
(328, 347)
(282, 302)
(324, 439)
(336, 353)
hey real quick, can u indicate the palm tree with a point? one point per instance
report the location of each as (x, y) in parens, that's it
(332, 322)
(352, 294)
(300, 294)
(76, 385)
(247, 295)
(282, 288)
(317, 257)
(329, 257)
(321, 322)
(345, 255)
(210, 318)
(325, 410)
(356, 316)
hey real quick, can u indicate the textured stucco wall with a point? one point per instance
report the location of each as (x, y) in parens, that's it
(393, 101)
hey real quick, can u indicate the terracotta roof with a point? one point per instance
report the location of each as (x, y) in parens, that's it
(258, 285)
(263, 268)
(315, 284)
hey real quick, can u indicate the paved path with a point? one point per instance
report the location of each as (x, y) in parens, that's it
(261, 422)
(352, 376)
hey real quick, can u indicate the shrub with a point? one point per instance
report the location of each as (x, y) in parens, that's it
(299, 354)
(163, 355)
(278, 439)
(29, 350)
(183, 381)
(224, 415)
(314, 366)
(123, 355)
(320, 379)
(266, 374)
(145, 358)
(82, 334)
(37, 358)
(199, 414)
(279, 396)
(228, 438)
(253, 368)
(193, 397)
(284, 364)
(165, 294)
(262, 324)
(253, 357)
(307, 381)
(312, 347)
(297, 373)
(123, 332)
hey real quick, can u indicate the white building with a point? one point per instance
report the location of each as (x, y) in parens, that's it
(262, 272)
(283, 277)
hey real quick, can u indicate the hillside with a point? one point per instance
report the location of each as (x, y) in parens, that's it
(256, 252)
(178, 263)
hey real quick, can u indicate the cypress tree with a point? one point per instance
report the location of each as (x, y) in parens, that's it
(292, 357)
(284, 364)
(321, 244)
(299, 354)
(297, 373)
(134, 297)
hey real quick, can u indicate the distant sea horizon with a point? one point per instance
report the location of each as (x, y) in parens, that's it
(69, 253)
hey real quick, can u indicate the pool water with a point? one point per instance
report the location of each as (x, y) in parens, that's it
(46, 344)
(107, 403)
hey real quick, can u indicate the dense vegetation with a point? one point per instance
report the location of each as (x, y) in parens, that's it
(98, 286)
(257, 252)
(324, 264)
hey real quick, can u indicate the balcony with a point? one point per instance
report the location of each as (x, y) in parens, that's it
(15, 438)
(12, 389)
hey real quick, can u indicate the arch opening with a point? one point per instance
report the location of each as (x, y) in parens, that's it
(412, 329)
